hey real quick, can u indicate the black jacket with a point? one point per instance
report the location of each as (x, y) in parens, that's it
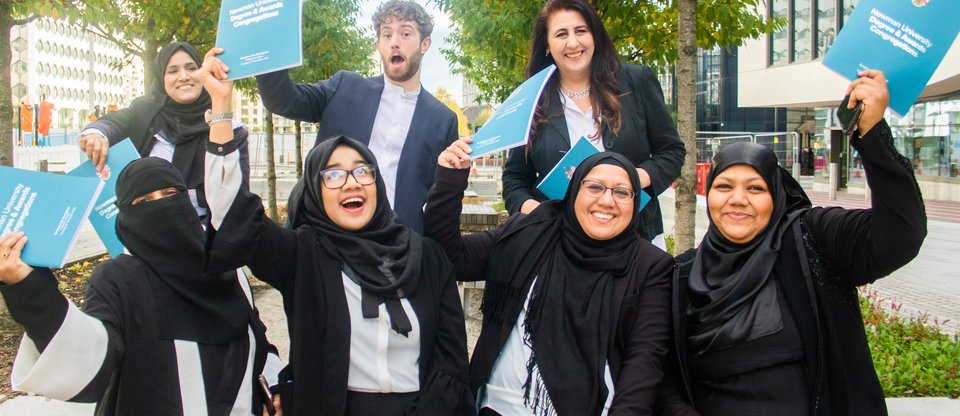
(640, 329)
(828, 253)
(648, 137)
(346, 104)
(318, 315)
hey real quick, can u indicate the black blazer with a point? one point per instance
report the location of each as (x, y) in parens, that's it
(648, 137)
(346, 104)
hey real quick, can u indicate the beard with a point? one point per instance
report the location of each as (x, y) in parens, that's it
(405, 73)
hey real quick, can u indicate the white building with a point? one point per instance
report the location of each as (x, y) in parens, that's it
(785, 70)
(74, 70)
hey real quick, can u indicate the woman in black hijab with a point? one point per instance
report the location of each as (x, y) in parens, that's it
(170, 122)
(372, 307)
(766, 310)
(150, 318)
(576, 307)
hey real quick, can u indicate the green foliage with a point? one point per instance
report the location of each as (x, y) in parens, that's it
(500, 205)
(492, 51)
(670, 243)
(911, 356)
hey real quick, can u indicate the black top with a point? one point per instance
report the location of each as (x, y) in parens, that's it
(317, 311)
(828, 253)
(639, 328)
(648, 138)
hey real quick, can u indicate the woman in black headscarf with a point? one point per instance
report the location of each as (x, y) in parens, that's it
(766, 310)
(575, 308)
(373, 311)
(172, 121)
(150, 318)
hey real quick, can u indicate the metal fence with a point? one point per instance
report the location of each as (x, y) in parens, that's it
(783, 144)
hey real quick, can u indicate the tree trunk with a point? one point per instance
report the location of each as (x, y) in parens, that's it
(271, 169)
(298, 147)
(686, 193)
(6, 106)
(149, 57)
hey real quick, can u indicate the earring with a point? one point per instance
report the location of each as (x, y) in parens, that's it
(547, 53)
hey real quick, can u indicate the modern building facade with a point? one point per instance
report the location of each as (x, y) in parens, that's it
(76, 71)
(785, 70)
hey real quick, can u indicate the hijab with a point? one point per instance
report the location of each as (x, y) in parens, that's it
(569, 318)
(383, 257)
(183, 124)
(166, 235)
(733, 294)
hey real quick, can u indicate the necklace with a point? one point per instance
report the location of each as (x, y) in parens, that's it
(575, 95)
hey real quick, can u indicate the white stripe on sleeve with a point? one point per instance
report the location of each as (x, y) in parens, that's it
(222, 180)
(71, 360)
(193, 394)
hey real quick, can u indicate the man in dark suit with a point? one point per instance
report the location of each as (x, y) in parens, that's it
(405, 126)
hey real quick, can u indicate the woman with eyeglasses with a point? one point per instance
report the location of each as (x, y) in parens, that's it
(373, 310)
(576, 304)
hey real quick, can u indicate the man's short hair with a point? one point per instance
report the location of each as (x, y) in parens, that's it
(403, 10)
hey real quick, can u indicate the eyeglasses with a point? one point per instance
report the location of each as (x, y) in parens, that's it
(336, 178)
(596, 189)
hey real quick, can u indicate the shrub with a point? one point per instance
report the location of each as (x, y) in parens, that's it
(911, 356)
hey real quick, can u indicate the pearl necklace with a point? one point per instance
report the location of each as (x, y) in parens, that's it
(575, 95)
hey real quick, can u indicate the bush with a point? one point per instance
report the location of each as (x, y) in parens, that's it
(911, 356)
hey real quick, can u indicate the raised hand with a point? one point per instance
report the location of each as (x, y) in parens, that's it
(457, 155)
(871, 89)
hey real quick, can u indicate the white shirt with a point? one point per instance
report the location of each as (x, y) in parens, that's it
(504, 389)
(580, 123)
(381, 360)
(390, 132)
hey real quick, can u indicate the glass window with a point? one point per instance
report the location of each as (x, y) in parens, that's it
(778, 40)
(826, 25)
(801, 30)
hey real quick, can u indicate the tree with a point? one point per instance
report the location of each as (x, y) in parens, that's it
(444, 97)
(13, 13)
(331, 42)
(685, 202)
(492, 52)
(140, 27)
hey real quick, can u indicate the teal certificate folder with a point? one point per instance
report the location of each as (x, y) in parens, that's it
(509, 126)
(259, 36)
(906, 39)
(48, 208)
(555, 184)
(104, 212)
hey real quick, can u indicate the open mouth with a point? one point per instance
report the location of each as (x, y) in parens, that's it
(353, 203)
(574, 55)
(397, 60)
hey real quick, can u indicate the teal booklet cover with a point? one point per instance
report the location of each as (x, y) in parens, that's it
(509, 126)
(555, 184)
(259, 36)
(906, 39)
(104, 213)
(48, 208)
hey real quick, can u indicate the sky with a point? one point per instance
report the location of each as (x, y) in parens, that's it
(435, 71)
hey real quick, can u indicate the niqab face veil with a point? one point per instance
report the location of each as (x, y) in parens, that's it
(732, 290)
(383, 257)
(569, 321)
(166, 235)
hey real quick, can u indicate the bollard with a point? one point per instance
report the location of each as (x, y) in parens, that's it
(833, 170)
(42, 165)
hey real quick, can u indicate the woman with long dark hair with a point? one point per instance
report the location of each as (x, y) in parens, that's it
(375, 320)
(766, 310)
(576, 304)
(618, 107)
(172, 122)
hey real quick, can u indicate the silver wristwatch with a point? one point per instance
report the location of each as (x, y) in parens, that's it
(211, 117)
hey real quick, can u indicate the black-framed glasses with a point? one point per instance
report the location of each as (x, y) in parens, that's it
(595, 189)
(336, 178)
